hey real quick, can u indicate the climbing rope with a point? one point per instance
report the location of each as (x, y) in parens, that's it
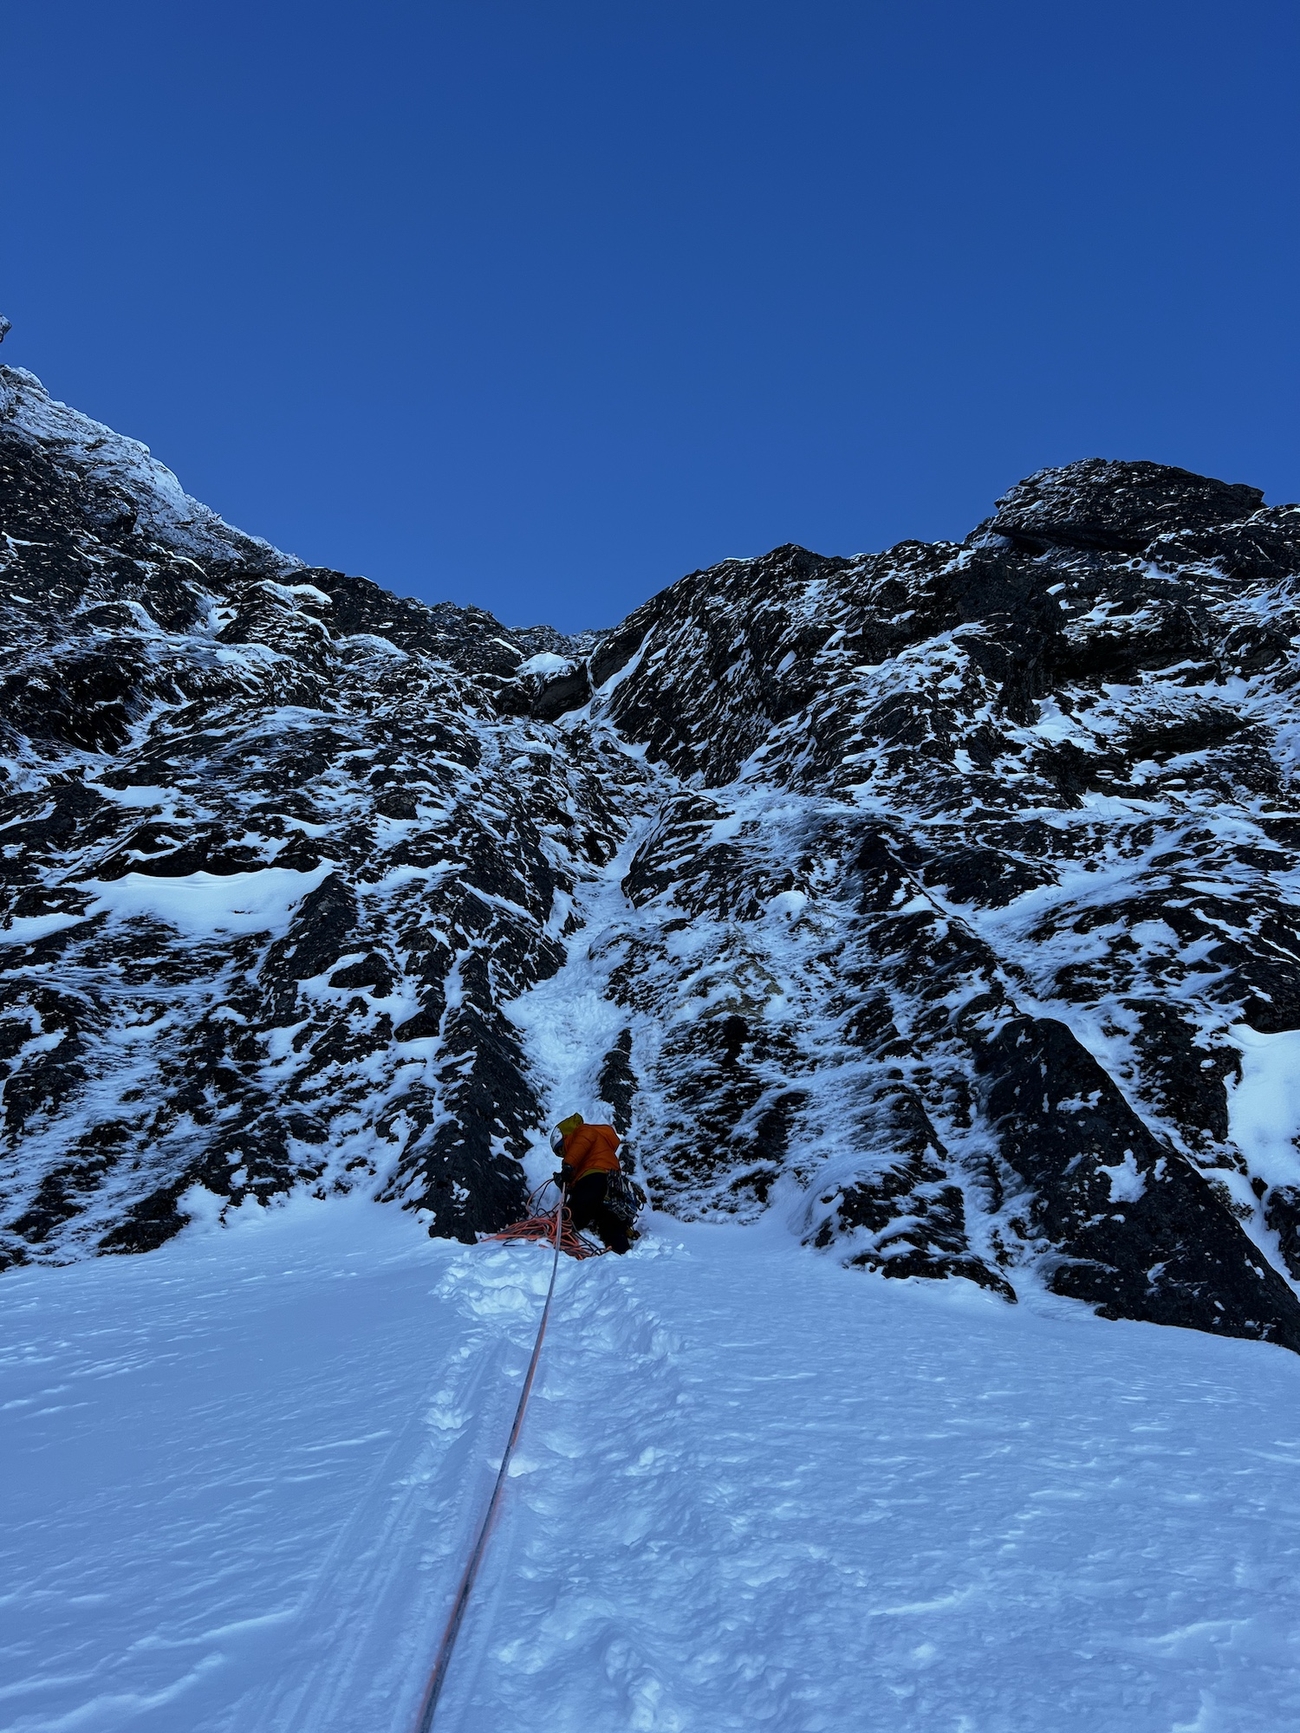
(538, 1226)
(433, 1689)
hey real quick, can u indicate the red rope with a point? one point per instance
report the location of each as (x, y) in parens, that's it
(433, 1689)
(542, 1227)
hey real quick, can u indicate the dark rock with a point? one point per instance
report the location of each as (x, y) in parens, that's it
(1140, 1235)
(988, 876)
(320, 931)
(1263, 549)
(561, 694)
(873, 817)
(617, 1084)
(147, 1224)
(372, 971)
(424, 1026)
(1101, 503)
(1283, 1218)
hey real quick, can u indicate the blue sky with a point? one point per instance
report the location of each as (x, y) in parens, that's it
(540, 305)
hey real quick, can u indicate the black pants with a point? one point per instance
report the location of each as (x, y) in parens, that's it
(587, 1208)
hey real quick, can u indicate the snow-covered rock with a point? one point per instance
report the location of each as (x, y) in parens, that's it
(936, 897)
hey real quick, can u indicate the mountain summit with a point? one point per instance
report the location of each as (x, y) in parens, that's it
(944, 899)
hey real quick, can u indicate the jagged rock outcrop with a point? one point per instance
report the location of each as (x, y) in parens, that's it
(1023, 811)
(272, 864)
(927, 893)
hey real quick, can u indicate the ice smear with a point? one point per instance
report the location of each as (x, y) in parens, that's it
(755, 1490)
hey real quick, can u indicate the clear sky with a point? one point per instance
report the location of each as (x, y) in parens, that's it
(540, 303)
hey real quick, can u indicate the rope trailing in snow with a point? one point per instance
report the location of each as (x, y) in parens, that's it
(433, 1689)
(539, 1228)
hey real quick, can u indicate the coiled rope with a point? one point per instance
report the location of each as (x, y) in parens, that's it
(433, 1690)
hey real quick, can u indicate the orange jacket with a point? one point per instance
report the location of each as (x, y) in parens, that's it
(590, 1149)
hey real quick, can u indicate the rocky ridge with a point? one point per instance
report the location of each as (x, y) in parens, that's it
(929, 895)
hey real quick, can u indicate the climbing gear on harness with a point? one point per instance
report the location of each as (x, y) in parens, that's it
(433, 1689)
(624, 1199)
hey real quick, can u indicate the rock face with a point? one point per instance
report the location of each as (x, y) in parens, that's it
(928, 896)
(272, 864)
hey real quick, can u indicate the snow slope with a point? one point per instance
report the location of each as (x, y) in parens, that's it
(754, 1490)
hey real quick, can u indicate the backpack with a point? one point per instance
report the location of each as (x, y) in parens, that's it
(624, 1199)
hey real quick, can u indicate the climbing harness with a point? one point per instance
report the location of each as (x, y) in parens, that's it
(433, 1689)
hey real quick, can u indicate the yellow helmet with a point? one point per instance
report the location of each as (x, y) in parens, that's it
(563, 1129)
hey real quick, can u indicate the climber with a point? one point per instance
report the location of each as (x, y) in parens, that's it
(588, 1156)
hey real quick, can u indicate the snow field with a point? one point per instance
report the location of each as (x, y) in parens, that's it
(753, 1490)
(203, 904)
